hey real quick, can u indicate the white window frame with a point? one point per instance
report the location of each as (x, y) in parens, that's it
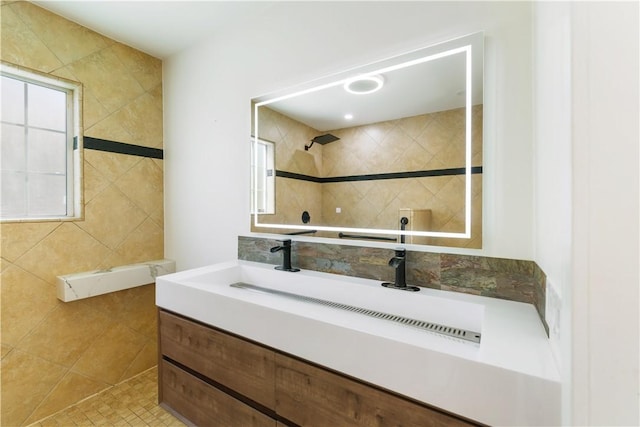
(74, 197)
(265, 197)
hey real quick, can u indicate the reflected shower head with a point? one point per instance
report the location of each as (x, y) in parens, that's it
(322, 140)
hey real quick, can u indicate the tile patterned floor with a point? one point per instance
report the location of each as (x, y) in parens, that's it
(130, 403)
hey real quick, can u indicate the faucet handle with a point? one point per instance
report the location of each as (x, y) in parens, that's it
(401, 252)
(286, 243)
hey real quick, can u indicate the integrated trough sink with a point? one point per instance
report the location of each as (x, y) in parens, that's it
(366, 331)
(448, 331)
(344, 300)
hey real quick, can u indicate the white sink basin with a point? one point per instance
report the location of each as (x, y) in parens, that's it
(509, 378)
(351, 291)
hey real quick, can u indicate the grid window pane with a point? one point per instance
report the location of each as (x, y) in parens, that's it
(36, 146)
(12, 100)
(47, 195)
(13, 200)
(46, 108)
(12, 146)
(47, 151)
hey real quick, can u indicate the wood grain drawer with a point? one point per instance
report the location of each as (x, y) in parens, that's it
(243, 367)
(310, 396)
(205, 405)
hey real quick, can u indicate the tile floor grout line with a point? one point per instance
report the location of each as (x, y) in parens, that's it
(104, 397)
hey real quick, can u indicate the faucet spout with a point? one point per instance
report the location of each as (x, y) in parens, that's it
(285, 247)
(398, 262)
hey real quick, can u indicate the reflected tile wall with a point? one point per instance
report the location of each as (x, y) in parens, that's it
(292, 196)
(515, 280)
(424, 142)
(55, 354)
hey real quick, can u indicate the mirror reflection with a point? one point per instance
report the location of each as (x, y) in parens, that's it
(391, 152)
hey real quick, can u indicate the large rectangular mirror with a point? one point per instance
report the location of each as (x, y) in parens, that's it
(389, 151)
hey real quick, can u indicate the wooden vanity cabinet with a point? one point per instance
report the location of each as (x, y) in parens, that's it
(213, 378)
(311, 396)
(231, 362)
(205, 405)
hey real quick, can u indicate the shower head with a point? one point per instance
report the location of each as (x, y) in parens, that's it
(322, 140)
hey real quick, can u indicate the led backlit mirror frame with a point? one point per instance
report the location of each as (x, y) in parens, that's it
(462, 45)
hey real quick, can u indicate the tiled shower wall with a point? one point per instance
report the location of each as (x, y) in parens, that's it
(515, 280)
(290, 137)
(425, 142)
(54, 353)
(420, 143)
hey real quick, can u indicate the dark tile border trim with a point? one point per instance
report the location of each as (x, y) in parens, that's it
(378, 176)
(120, 148)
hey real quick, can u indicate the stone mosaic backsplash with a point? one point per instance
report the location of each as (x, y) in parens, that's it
(515, 280)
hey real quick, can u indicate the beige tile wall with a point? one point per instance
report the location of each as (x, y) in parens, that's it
(425, 142)
(54, 353)
(292, 196)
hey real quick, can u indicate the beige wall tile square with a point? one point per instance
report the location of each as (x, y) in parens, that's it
(5, 349)
(157, 216)
(67, 40)
(18, 238)
(67, 250)
(93, 112)
(145, 243)
(394, 144)
(435, 137)
(113, 259)
(26, 381)
(146, 69)
(413, 158)
(19, 45)
(133, 307)
(111, 216)
(111, 165)
(25, 301)
(66, 333)
(71, 388)
(414, 126)
(146, 358)
(142, 119)
(94, 182)
(109, 357)
(107, 78)
(143, 185)
(453, 194)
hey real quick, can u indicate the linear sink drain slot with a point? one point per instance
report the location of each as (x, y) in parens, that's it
(462, 334)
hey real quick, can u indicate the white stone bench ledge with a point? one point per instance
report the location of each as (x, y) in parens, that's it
(71, 287)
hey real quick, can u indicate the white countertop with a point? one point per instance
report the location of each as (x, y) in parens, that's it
(510, 378)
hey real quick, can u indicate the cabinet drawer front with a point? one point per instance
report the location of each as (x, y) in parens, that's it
(311, 396)
(205, 405)
(246, 368)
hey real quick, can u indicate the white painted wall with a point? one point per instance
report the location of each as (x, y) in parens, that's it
(552, 171)
(207, 116)
(606, 253)
(587, 200)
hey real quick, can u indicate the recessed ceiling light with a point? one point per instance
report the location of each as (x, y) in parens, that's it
(364, 85)
(348, 116)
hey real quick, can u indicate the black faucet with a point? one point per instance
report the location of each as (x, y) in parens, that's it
(399, 263)
(286, 255)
